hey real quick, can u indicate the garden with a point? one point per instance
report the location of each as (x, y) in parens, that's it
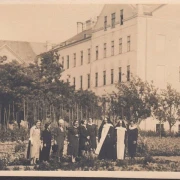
(37, 92)
(153, 154)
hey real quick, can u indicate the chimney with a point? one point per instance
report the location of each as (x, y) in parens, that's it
(88, 24)
(48, 46)
(79, 27)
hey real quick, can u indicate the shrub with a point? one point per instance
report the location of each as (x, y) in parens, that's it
(27, 168)
(16, 168)
(47, 166)
(20, 161)
(20, 147)
(17, 134)
(3, 164)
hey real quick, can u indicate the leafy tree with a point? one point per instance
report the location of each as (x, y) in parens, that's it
(168, 109)
(136, 98)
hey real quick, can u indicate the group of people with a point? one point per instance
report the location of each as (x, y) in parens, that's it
(109, 142)
(113, 140)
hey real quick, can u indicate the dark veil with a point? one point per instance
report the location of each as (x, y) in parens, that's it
(101, 127)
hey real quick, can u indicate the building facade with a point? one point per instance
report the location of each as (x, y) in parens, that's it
(142, 40)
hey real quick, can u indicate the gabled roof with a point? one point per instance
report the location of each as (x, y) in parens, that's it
(25, 50)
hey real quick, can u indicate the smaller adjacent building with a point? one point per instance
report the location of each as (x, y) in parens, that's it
(152, 124)
(22, 52)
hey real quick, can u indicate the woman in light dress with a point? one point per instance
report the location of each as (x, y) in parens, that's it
(35, 142)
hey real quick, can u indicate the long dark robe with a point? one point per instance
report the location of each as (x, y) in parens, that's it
(59, 136)
(83, 134)
(132, 136)
(107, 149)
(92, 131)
(73, 139)
(46, 138)
(115, 139)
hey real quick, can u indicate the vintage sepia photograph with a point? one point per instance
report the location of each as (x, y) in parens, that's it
(90, 87)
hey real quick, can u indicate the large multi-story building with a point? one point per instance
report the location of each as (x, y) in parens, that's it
(143, 40)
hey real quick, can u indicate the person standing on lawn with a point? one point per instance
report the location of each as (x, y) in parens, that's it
(105, 147)
(73, 141)
(83, 138)
(59, 137)
(120, 139)
(46, 141)
(132, 139)
(35, 142)
(92, 131)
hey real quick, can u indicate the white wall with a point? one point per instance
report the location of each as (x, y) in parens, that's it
(149, 124)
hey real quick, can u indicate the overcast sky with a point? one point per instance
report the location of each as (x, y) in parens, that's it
(47, 22)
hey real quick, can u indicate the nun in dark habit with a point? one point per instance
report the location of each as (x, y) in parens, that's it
(132, 139)
(105, 147)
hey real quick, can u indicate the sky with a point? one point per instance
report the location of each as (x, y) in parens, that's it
(43, 22)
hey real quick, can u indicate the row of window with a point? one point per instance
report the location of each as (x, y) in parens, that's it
(113, 20)
(97, 52)
(104, 78)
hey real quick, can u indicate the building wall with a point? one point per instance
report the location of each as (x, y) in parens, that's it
(113, 61)
(154, 54)
(149, 124)
(161, 48)
(78, 70)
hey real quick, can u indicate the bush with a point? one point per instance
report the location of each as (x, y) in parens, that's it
(17, 134)
(27, 168)
(16, 168)
(20, 161)
(3, 164)
(20, 147)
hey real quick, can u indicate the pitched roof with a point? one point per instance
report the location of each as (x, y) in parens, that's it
(80, 36)
(25, 50)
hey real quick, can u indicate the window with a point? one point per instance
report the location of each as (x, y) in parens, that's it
(128, 43)
(105, 23)
(120, 74)
(88, 76)
(81, 82)
(74, 82)
(112, 48)
(112, 76)
(121, 17)
(96, 80)
(67, 62)
(128, 73)
(63, 62)
(89, 55)
(97, 53)
(74, 59)
(81, 57)
(104, 50)
(104, 77)
(113, 20)
(120, 46)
